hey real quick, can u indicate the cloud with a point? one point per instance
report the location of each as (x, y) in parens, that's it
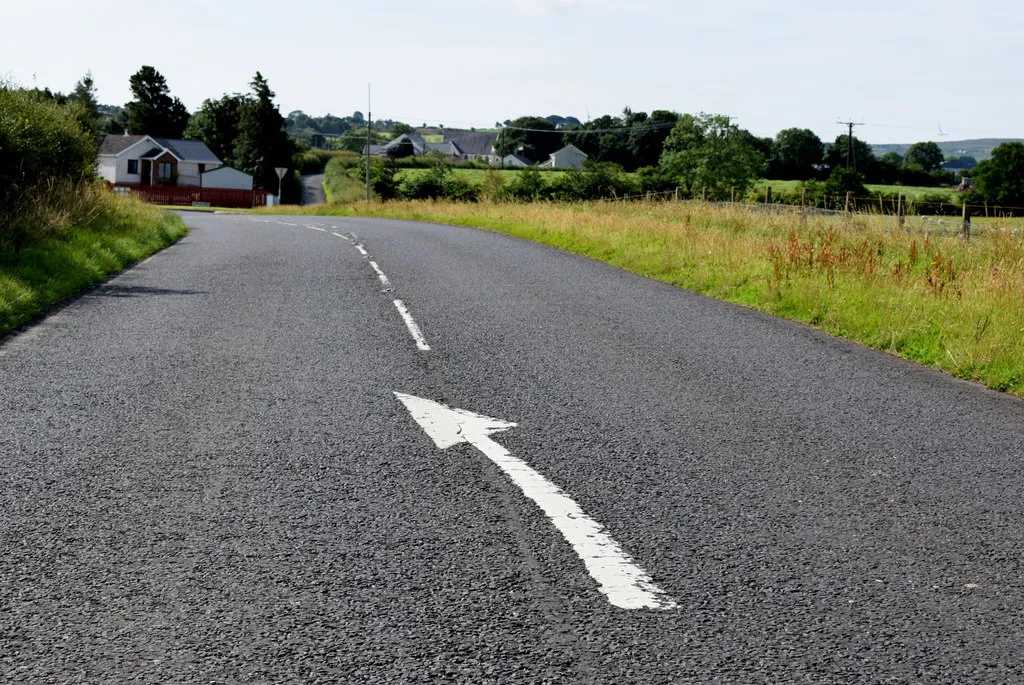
(543, 8)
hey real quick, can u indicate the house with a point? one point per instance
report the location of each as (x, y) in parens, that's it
(515, 161)
(148, 161)
(475, 146)
(227, 178)
(456, 146)
(569, 157)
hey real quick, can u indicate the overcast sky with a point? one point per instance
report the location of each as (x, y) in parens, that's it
(904, 67)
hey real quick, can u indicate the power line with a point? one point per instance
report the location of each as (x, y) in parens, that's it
(849, 142)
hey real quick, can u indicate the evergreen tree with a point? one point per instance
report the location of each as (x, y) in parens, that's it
(153, 111)
(217, 124)
(83, 98)
(262, 142)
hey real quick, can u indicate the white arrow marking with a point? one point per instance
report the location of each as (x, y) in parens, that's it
(626, 585)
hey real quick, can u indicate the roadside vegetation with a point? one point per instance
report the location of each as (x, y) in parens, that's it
(60, 230)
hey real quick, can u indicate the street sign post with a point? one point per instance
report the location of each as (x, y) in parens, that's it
(281, 171)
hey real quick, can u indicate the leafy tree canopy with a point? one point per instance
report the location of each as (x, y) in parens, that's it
(928, 156)
(531, 137)
(153, 111)
(795, 154)
(1000, 180)
(709, 151)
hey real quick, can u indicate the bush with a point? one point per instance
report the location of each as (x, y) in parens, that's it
(43, 149)
(527, 186)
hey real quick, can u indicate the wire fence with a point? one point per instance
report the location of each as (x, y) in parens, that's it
(944, 218)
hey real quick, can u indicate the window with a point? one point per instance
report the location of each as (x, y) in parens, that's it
(133, 166)
(164, 171)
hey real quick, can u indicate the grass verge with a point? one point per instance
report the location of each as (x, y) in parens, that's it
(115, 233)
(948, 303)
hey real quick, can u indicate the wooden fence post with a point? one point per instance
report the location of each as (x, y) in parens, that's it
(677, 193)
(901, 211)
(768, 195)
(803, 197)
(848, 195)
(704, 194)
(967, 222)
(732, 194)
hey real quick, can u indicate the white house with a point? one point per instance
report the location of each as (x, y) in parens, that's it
(569, 157)
(226, 177)
(514, 161)
(149, 161)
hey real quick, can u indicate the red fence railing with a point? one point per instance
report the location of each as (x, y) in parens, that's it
(188, 197)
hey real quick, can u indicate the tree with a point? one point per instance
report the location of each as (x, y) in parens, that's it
(708, 151)
(262, 143)
(530, 137)
(401, 129)
(153, 111)
(1000, 180)
(927, 156)
(217, 123)
(795, 155)
(605, 139)
(863, 160)
(647, 137)
(83, 97)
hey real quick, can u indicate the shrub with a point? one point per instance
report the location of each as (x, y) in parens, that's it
(43, 149)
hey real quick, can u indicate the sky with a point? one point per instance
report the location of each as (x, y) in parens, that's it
(905, 68)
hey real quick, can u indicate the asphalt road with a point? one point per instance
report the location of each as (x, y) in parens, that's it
(313, 190)
(207, 478)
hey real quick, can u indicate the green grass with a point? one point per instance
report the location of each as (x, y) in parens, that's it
(912, 192)
(952, 304)
(47, 271)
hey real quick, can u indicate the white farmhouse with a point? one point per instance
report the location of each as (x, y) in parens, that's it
(569, 157)
(149, 161)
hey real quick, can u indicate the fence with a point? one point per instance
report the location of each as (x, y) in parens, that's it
(906, 210)
(190, 197)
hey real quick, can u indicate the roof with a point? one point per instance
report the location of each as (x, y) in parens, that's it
(184, 150)
(569, 147)
(189, 150)
(448, 148)
(116, 144)
(509, 158)
(473, 143)
(226, 170)
(153, 152)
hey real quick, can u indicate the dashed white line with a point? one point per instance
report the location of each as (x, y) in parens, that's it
(414, 330)
(362, 250)
(380, 274)
(315, 228)
(343, 237)
(285, 223)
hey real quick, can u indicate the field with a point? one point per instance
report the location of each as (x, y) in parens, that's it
(912, 192)
(949, 303)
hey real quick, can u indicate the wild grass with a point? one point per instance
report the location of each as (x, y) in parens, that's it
(942, 301)
(90, 235)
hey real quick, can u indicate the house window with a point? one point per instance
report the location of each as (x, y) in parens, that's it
(133, 166)
(164, 171)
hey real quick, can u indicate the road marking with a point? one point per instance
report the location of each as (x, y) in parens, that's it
(414, 330)
(285, 223)
(362, 250)
(380, 274)
(343, 237)
(622, 581)
(322, 230)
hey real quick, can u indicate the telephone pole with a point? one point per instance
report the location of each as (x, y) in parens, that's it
(849, 142)
(369, 121)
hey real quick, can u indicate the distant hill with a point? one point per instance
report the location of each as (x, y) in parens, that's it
(979, 148)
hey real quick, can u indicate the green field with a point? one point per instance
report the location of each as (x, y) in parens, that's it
(911, 192)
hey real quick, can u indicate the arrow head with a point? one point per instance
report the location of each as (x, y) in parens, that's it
(447, 426)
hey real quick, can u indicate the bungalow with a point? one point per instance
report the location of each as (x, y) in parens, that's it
(457, 146)
(569, 157)
(148, 161)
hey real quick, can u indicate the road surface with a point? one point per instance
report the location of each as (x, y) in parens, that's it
(313, 190)
(319, 450)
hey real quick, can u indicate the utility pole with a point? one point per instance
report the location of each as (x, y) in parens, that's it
(849, 142)
(369, 122)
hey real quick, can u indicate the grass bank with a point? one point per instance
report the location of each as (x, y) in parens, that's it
(944, 302)
(101, 235)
